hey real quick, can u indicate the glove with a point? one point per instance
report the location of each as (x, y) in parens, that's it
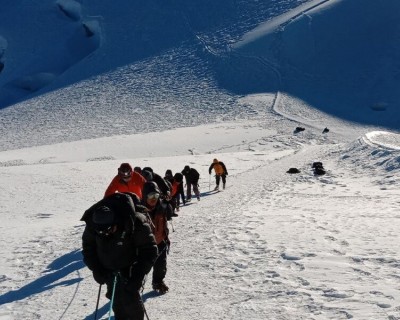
(100, 277)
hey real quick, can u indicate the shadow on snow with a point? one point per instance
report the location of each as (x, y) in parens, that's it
(57, 270)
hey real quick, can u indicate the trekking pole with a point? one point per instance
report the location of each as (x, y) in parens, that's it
(97, 303)
(113, 294)
(209, 182)
(145, 312)
(144, 309)
(141, 294)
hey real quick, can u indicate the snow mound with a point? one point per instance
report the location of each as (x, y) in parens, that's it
(375, 150)
(384, 139)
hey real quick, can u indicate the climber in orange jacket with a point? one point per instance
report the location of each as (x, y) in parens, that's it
(220, 172)
(126, 180)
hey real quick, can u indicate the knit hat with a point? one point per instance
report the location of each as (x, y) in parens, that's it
(150, 187)
(103, 218)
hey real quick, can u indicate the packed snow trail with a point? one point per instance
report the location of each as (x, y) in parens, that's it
(257, 265)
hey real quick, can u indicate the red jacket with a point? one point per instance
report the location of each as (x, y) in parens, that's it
(175, 188)
(159, 224)
(135, 185)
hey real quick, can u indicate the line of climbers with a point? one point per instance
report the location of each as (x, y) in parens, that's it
(126, 233)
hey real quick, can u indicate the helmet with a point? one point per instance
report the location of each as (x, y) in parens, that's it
(125, 170)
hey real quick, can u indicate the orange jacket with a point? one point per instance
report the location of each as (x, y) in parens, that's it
(219, 168)
(135, 185)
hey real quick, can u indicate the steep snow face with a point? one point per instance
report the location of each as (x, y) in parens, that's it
(51, 38)
(136, 67)
(336, 55)
(95, 69)
(57, 37)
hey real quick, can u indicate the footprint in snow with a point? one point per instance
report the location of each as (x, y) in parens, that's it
(383, 305)
(289, 257)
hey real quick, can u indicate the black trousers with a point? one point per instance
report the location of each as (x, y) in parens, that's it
(128, 304)
(189, 186)
(160, 266)
(218, 178)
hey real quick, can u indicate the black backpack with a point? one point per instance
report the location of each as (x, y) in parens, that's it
(122, 204)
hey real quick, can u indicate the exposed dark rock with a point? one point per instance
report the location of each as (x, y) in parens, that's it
(299, 129)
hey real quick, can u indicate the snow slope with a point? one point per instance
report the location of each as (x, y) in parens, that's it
(139, 82)
(333, 55)
(273, 245)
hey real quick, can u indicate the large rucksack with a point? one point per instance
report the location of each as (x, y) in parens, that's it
(126, 205)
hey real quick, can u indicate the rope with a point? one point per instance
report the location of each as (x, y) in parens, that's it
(113, 294)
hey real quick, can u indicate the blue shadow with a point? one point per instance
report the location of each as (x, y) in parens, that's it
(208, 193)
(104, 310)
(150, 295)
(57, 270)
